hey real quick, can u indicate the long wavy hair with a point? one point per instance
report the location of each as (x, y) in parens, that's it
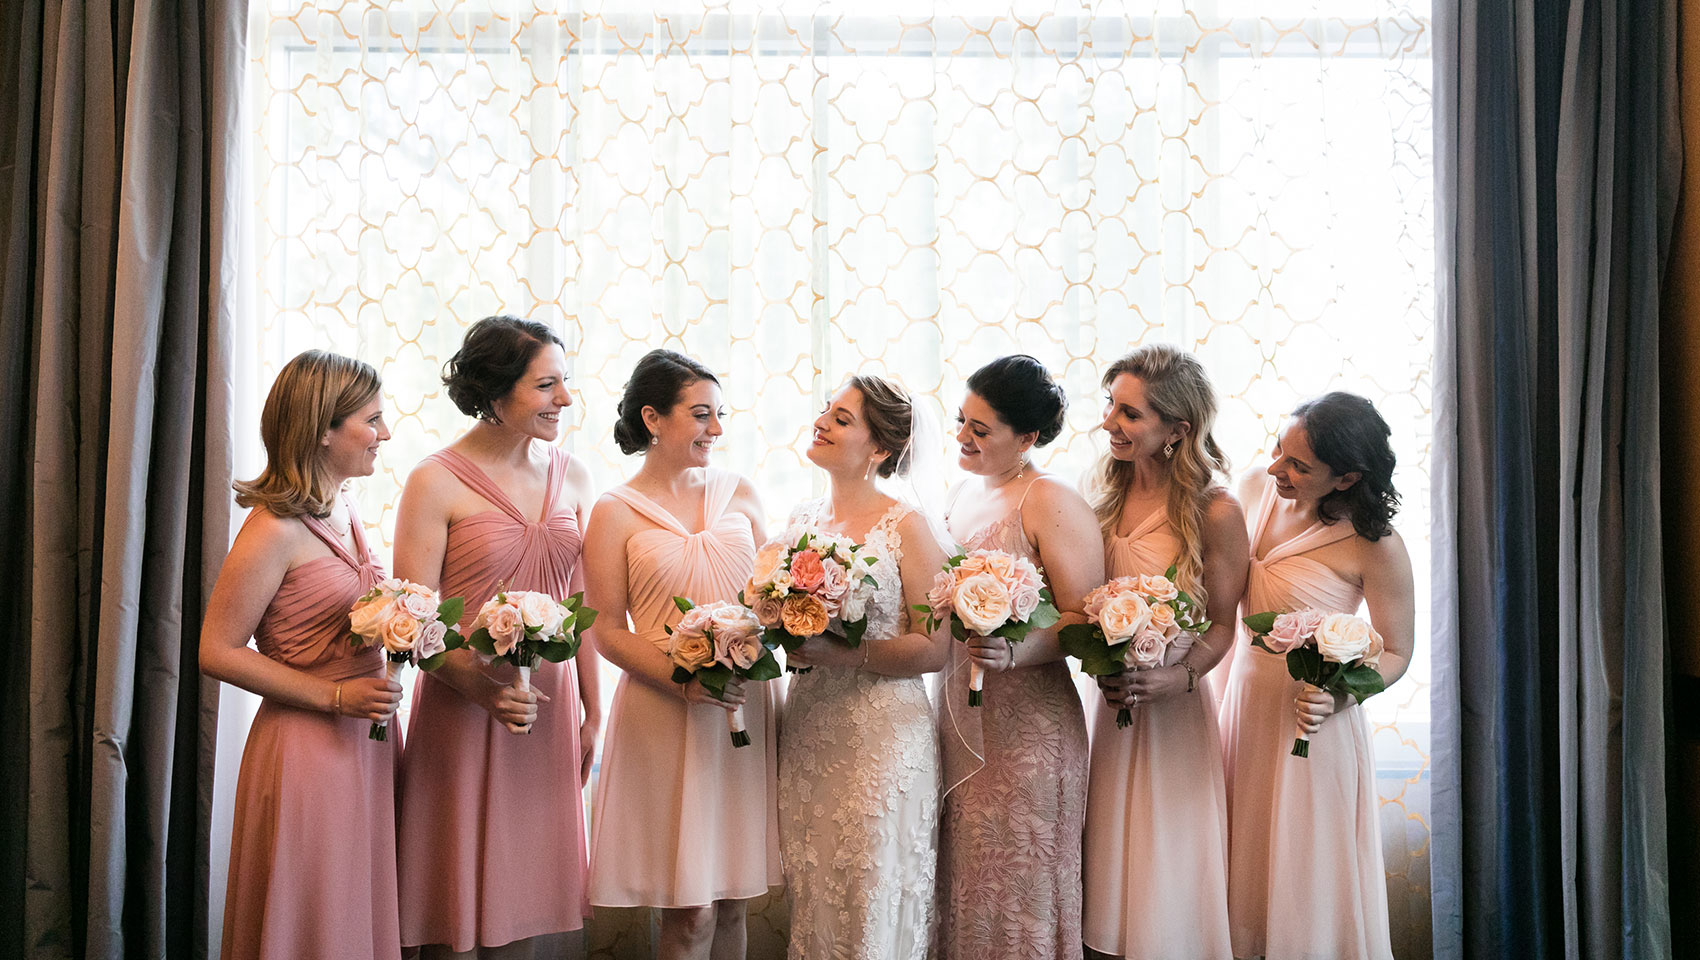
(1177, 388)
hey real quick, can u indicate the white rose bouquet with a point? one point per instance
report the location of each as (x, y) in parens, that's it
(1334, 652)
(1132, 623)
(988, 593)
(411, 623)
(716, 642)
(526, 627)
(800, 591)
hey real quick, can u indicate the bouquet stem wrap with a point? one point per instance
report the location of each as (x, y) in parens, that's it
(393, 662)
(735, 723)
(976, 682)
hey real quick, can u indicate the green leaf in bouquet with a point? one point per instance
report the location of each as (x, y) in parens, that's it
(767, 668)
(853, 633)
(451, 610)
(1304, 663)
(683, 604)
(1202, 626)
(1259, 643)
(557, 652)
(681, 675)
(1260, 623)
(955, 561)
(1169, 574)
(433, 662)
(802, 542)
(1362, 681)
(870, 561)
(480, 641)
(958, 632)
(1044, 615)
(1080, 640)
(714, 679)
(868, 579)
(782, 638)
(1014, 631)
(741, 601)
(583, 619)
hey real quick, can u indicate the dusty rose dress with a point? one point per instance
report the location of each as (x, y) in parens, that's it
(1305, 873)
(492, 825)
(682, 818)
(312, 851)
(1156, 807)
(1015, 801)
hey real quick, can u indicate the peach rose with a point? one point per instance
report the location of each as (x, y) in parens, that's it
(690, 649)
(1123, 615)
(803, 615)
(1342, 638)
(806, 570)
(982, 603)
(1147, 649)
(939, 598)
(769, 563)
(368, 619)
(399, 634)
(1158, 588)
(1163, 620)
(418, 589)
(505, 627)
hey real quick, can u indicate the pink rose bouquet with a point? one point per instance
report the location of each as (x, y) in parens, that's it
(526, 627)
(411, 624)
(803, 590)
(1334, 652)
(1132, 621)
(716, 642)
(988, 593)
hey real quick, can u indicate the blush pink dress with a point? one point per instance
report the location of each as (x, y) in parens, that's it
(491, 832)
(312, 851)
(1156, 846)
(1305, 871)
(1015, 801)
(681, 817)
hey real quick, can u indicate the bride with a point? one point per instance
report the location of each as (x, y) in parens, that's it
(858, 751)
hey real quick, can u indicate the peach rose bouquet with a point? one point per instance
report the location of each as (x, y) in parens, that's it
(1132, 622)
(409, 621)
(1334, 652)
(526, 627)
(805, 589)
(715, 642)
(988, 593)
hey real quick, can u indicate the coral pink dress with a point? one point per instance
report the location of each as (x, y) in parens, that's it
(1305, 873)
(682, 818)
(492, 825)
(1156, 806)
(312, 852)
(1015, 801)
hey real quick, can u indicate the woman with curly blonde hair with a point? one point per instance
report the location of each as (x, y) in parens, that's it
(1156, 838)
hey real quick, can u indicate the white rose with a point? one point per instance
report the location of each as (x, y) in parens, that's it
(537, 609)
(1343, 638)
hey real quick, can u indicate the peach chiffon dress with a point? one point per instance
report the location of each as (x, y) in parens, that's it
(312, 850)
(682, 818)
(1305, 871)
(491, 826)
(1156, 848)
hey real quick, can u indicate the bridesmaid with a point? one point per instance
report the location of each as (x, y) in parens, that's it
(1305, 874)
(491, 839)
(1015, 768)
(1156, 812)
(304, 883)
(683, 821)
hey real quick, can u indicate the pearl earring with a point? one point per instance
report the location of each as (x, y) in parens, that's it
(654, 440)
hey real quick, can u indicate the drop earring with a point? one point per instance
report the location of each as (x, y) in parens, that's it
(1169, 450)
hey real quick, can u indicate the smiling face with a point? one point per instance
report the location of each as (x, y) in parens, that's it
(350, 448)
(986, 445)
(1136, 430)
(533, 405)
(841, 440)
(689, 430)
(1298, 472)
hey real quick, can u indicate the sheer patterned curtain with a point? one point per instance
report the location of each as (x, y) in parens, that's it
(792, 191)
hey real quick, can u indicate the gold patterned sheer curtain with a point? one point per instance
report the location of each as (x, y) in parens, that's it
(792, 191)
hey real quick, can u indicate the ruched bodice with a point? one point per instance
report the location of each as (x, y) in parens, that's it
(306, 624)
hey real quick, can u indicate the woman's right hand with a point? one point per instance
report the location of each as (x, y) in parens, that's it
(514, 708)
(695, 692)
(1115, 688)
(370, 698)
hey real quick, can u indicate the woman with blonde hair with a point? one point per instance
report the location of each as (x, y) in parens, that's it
(312, 852)
(1156, 840)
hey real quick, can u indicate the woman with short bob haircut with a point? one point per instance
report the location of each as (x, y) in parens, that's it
(312, 851)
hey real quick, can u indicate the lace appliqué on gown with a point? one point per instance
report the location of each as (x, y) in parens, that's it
(859, 790)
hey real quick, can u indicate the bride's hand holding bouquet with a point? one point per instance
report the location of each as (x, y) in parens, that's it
(814, 590)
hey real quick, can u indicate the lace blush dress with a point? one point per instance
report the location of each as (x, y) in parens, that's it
(859, 789)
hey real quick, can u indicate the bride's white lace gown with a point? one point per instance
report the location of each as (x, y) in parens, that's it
(859, 789)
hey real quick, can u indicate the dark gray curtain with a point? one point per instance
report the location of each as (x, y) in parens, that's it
(1558, 153)
(116, 463)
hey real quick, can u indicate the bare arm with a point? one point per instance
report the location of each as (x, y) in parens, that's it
(1391, 596)
(586, 663)
(1061, 521)
(246, 585)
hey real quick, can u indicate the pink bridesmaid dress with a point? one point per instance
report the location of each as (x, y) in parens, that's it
(1305, 873)
(312, 851)
(491, 832)
(681, 817)
(1015, 776)
(1156, 844)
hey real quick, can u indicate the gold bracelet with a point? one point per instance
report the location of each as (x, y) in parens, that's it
(336, 706)
(867, 651)
(1191, 676)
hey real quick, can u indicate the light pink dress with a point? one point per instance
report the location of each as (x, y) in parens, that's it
(1015, 801)
(1156, 807)
(312, 851)
(682, 818)
(1305, 873)
(491, 832)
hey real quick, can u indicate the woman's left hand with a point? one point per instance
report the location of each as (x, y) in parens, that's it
(823, 651)
(587, 747)
(993, 654)
(1144, 686)
(1316, 705)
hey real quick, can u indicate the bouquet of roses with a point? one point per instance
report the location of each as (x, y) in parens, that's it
(1133, 621)
(716, 642)
(411, 623)
(989, 593)
(801, 591)
(526, 627)
(1334, 652)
